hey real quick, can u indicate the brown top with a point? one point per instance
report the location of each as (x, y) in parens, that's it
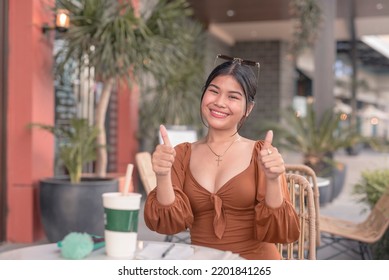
(235, 218)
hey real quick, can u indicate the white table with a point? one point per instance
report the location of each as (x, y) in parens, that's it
(147, 250)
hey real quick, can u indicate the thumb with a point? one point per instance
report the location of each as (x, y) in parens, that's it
(164, 135)
(268, 139)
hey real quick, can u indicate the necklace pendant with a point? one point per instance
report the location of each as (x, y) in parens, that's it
(219, 157)
(218, 160)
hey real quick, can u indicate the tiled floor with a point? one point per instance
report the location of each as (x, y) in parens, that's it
(344, 206)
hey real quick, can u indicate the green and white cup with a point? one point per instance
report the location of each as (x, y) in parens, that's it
(121, 212)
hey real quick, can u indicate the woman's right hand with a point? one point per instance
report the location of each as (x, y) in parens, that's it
(164, 155)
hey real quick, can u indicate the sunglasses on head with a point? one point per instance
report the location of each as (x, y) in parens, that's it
(240, 61)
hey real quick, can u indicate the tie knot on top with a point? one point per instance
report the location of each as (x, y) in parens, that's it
(219, 220)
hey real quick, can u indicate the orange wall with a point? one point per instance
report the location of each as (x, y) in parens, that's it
(127, 129)
(30, 99)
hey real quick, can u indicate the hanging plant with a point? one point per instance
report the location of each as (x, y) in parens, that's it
(308, 16)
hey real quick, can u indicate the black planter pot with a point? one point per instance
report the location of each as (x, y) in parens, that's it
(354, 150)
(69, 207)
(338, 179)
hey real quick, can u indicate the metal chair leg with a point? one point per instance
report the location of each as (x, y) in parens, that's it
(365, 249)
(168, 238)
(179, 239)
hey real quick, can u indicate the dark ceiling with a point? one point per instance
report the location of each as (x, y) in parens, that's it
(211, 11)
(216, 11)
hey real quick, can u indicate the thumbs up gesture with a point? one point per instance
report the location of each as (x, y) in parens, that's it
(164, 155)
(271, 159)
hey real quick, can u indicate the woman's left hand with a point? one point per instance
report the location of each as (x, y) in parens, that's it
(272, 161)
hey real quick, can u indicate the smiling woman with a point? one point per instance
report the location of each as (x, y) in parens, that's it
(242, 85)
(237, 202)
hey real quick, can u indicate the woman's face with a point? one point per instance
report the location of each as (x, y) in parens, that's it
(224, 103)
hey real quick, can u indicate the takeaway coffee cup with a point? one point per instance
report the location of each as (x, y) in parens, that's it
(121, 213)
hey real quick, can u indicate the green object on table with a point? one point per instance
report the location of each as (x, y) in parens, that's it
(78, 245)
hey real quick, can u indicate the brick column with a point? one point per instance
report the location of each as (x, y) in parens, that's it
(276, 82)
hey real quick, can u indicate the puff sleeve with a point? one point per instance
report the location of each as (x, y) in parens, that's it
(178, 216)
(274, 225)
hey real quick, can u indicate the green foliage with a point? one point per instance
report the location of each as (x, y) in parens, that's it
(317, 139)
(175, 98)
(104, 34)
(77, 144)
(371, 186)
(111, 37)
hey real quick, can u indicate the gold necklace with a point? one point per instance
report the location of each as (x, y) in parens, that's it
(220, 156)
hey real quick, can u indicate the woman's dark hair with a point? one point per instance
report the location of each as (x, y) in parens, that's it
(243, 74)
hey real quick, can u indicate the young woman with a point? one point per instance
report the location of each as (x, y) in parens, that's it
(229, 191)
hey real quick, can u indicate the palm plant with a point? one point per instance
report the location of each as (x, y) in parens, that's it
(316, 139)
(175, 99)
(77, 145)
(119, 42)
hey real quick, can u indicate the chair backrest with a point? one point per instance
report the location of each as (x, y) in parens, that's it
(378, 220)
(310, 175)
(145, 169)
(301, 196)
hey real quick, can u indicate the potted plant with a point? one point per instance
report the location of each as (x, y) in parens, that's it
(73, 202)
(317, 140)
(76, 147)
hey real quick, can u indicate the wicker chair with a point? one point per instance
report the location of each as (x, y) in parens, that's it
(340, 232)
(145, 169)
(310, 175)
(301, 196)
(149, 182)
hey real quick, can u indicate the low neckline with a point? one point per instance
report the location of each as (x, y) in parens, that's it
(227, 182)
